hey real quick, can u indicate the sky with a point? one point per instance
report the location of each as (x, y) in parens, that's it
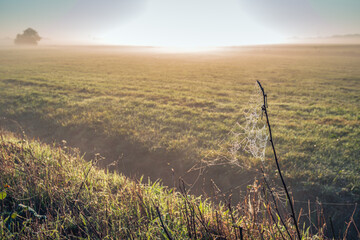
(183, 23)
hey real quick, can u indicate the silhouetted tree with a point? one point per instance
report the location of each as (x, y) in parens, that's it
(29, 37)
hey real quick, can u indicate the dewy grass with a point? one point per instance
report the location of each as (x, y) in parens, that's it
(183, 104)
(47, 181)
(142, 110)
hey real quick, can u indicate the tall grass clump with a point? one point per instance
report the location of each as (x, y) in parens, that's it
(50, 192)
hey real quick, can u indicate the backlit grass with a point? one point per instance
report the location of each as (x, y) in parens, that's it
(179, 106)
(74, 200)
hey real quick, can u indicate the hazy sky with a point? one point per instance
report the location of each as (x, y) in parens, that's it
(178, 22)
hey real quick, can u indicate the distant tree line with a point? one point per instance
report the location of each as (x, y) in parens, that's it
(29, 37)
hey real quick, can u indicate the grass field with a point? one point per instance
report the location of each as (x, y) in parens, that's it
(153, 111)
(49, 192)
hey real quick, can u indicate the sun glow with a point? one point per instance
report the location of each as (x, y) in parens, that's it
(207, 45)
(191, 27)
(187, 49)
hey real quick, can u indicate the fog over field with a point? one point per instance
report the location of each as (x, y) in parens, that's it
(197, 119)
(179, 108)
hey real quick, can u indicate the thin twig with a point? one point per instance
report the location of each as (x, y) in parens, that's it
(273, 218)
(87, 174)
(77, 208)
(309, 209)
(232, 219)
(349, 224)
(264, 108)
(275, 204)
(162, 224)
(332, 227)
(241, 233)
(184, 194)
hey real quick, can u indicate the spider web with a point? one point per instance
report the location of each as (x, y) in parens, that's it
(247, 140)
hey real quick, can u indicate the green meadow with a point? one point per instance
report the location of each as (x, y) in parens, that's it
(50, 192)
(157, 113)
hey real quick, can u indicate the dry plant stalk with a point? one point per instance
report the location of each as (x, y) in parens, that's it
(264, 108)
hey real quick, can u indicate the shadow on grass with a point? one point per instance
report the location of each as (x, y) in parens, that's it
(134, 160)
